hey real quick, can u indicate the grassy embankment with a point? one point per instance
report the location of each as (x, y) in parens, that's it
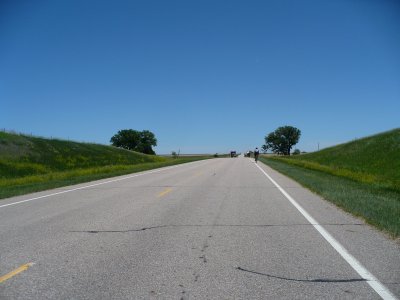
(31, 164)
(362, 177)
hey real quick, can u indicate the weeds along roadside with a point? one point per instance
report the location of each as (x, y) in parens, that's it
(375, 203)
(361, 177)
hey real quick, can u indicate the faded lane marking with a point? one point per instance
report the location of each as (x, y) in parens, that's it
(163, 193)
(16, 272)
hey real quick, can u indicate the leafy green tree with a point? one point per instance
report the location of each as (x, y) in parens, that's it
(147, 140)
(140, 141)
(127, 139)
(264, 148)
(282, 139)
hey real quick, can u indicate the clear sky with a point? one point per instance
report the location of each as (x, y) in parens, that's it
(203, 76)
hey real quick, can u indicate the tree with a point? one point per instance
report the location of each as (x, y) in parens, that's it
(147, 139)
(282, 139)
(264, 148)
(127, 139)
(140, 141)
(272, 142)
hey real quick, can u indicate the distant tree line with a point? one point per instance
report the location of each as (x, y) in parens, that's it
(139, 141)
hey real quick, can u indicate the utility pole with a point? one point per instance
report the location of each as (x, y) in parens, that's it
(318, 146)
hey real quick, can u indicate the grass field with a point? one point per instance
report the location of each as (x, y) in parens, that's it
(373, 160)
(31, 164)
(362, 177)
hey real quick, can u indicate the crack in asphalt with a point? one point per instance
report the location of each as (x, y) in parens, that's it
(119, 231)
(212, 226)
(206, 243)
(318, 280)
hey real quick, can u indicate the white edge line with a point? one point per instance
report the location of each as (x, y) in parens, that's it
(351, 260)
(100, 183)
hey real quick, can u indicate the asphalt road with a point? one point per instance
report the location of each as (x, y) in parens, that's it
(216, 229)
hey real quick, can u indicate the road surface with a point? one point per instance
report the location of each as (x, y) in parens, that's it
(215, 229)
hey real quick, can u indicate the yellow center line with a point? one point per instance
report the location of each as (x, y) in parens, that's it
(163, 193)
(15, 272)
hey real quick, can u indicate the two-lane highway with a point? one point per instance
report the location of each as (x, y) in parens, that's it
(216, 229)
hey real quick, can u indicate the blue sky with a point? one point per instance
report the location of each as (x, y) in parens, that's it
(204, 76)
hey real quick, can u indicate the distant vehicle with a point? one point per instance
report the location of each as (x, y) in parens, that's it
(233, 154)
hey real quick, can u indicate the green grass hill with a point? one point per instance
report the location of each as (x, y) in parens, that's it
(29, 164)
(24, 156)
(374, 159)
(362, 177)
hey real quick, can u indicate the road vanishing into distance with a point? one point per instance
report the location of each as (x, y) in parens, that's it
(224, 228)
